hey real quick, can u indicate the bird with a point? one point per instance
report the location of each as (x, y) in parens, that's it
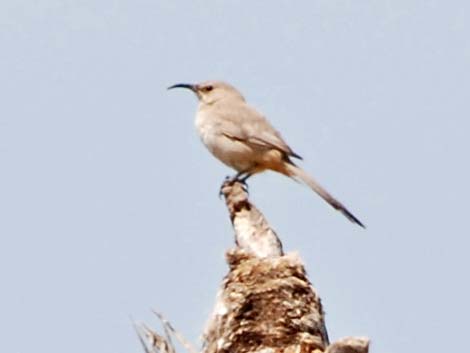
(243, 139)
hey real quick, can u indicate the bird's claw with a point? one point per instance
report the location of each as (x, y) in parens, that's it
(230, 180)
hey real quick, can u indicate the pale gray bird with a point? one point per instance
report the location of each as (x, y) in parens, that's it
(243, 139)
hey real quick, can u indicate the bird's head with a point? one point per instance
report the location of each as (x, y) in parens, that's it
(210, 92)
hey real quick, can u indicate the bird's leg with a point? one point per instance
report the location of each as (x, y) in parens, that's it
(243, 175)
(236, 177)
(244, 179)
(239, 176)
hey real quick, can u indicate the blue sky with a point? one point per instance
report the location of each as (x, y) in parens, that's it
(108, 200)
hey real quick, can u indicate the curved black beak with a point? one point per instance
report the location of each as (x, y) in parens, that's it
(184, 85)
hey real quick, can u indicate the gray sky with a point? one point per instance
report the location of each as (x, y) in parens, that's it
(108, 200)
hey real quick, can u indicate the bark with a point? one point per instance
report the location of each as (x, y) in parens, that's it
(266, 303)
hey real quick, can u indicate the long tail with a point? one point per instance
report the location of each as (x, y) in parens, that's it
(297, 173)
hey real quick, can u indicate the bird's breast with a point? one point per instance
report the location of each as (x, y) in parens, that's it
(232, 153)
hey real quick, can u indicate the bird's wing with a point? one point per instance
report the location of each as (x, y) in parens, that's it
(247, 125)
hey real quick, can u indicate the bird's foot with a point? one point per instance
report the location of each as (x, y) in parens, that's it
(230, 180)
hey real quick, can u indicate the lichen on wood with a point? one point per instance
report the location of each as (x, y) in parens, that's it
(266, 305)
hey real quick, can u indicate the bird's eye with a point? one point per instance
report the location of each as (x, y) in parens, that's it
(208, 88)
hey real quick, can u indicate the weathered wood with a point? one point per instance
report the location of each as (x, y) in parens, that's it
(252, 232)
